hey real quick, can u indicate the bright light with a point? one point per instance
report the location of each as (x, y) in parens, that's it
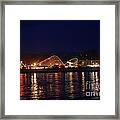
(34, 64)
(94, 65)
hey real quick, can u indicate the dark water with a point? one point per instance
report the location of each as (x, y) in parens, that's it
(60, 86)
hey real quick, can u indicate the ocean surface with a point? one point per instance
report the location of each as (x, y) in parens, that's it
(60, 86)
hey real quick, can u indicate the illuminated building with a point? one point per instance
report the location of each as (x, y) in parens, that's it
(89, 63)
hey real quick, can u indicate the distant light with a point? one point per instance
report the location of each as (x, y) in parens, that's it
(94, 65)
(34, 64)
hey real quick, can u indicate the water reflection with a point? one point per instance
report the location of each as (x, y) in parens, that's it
(60, 85)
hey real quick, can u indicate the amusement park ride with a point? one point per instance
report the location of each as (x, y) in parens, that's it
(55, 62)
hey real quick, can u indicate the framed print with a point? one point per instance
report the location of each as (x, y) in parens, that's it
(57, 58)
(60, 59)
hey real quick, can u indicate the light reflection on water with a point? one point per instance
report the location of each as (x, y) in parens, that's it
(61, 86)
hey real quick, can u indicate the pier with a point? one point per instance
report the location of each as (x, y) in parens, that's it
(51, 70)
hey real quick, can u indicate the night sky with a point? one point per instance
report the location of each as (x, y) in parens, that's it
(52, 36)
